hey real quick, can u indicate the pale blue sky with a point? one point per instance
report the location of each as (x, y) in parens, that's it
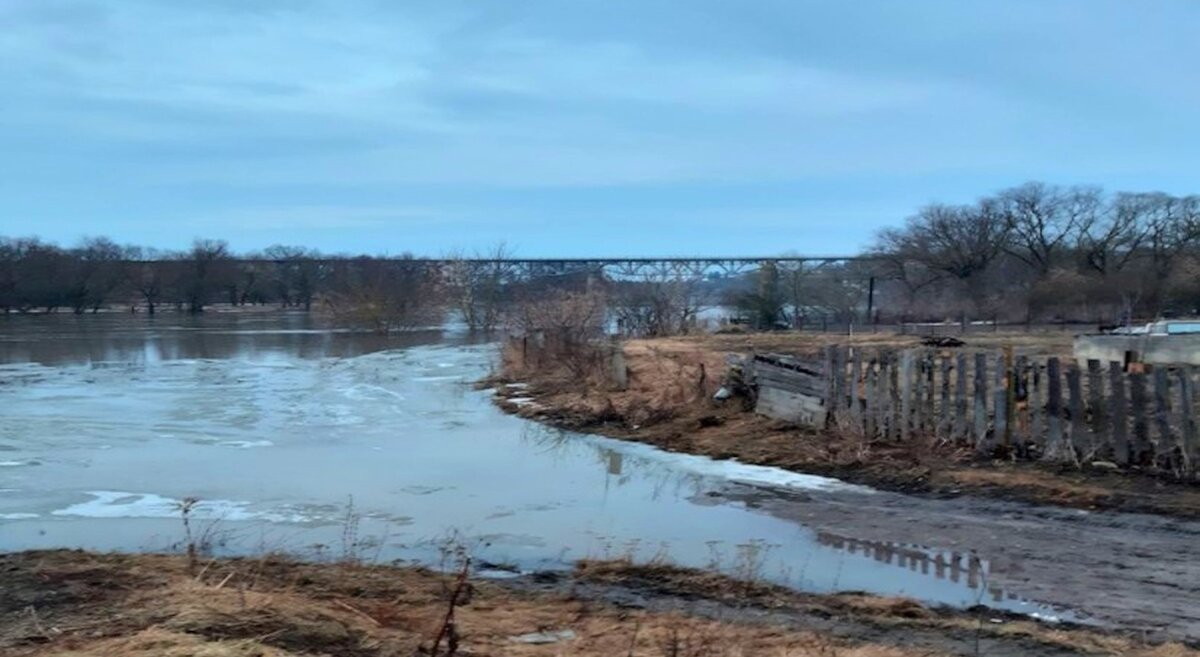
(575, 127)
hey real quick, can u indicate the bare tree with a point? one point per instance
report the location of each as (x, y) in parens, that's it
(956, 241)
(662, 303)
(385, 295)
(207, 270)
(96, 271)
(1042, 221)
(477, 286)
(299, 274)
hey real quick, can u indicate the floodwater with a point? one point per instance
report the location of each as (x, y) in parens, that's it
(332, 444)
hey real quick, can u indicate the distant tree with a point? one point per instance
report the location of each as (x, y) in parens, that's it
(956, 241)
(478, 286)
(385, 294)
(1042, 221)
(95, 271)
(151, 274)
(299, 274)
(206, 270)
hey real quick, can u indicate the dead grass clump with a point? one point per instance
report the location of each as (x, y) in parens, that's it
(158, 642)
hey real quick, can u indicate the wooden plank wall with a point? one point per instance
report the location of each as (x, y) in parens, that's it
(1033, 407)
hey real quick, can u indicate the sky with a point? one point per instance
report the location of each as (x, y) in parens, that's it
(575, 127)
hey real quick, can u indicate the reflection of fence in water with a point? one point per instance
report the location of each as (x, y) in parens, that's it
(954, 566)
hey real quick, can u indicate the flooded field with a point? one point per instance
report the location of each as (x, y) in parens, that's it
(331, 444)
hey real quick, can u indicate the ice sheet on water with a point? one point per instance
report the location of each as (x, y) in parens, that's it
(246, 444)
(737, 472)
(119, 504)
(18, 516)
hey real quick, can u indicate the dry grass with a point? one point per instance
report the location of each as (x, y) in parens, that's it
(149, 605)
(71, 603)
(1045, 343)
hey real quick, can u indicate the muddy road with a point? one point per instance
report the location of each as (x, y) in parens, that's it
(1120, 570)
(324, 444)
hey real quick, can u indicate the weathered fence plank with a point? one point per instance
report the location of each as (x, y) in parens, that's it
(945, 417)
(1138, 402)
(1055, 449)
(930, 386)
(1190, 446)
(1021, 400)
(1118, 409)
(894, 406)
(838, 402)
(870, 402)
(918, 392)
(981, 402)
(1164, 445)
(960, 397)
(1037, 409)
(1000, 415)
(905, 420)
(1097, 425)
(1078, 440)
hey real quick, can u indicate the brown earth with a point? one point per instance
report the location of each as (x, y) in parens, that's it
(668, 403)
(72, 603)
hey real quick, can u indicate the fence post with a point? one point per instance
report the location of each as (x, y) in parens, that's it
(981, 402)
(1117, 406)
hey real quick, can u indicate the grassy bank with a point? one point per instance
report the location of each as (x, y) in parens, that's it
(668, 402)
(72, 603)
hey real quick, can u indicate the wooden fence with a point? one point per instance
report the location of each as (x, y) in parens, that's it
(997, 402)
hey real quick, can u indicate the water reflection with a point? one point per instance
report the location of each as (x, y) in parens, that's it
(67, 339)
(824, 562)
(957, 567)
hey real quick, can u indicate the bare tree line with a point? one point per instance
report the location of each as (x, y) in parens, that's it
(1036, 252)
(383, 294)
(1045, 252)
